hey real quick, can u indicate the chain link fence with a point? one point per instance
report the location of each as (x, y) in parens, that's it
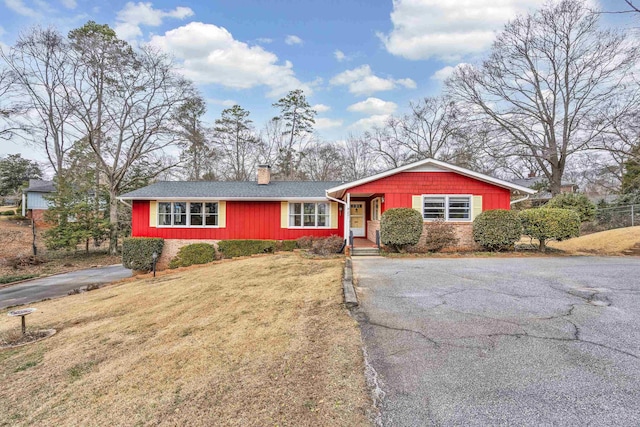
(613, 217)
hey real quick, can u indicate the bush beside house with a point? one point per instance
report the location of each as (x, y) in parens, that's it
(196, 253)
(400, 228)
(137, 252)
(578, 203)
(497, 230)
(546, 224)
(437, 236)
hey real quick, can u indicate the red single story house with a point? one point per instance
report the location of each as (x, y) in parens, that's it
(181, 212)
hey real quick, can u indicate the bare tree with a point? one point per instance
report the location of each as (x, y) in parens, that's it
(196, 155)
(387, 143)
(322, 162)
(548, 79)
(9, 108)
(38, 63)
(358, 158)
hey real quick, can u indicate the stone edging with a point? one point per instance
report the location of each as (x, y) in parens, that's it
(350, 297)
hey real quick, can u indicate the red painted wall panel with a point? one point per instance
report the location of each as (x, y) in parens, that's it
(245, 220)
(399, 188)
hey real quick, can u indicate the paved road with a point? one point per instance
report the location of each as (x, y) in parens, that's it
(59, 285)
(529, 341)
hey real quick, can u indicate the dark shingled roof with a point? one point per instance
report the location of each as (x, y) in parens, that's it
(40, 186)
(231, 189)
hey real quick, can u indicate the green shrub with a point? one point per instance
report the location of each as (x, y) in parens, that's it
(8, 213)
(137, 252)
(286, 245)
(546, 224)
(16, 278)
(497, 230)
(18, 218)
(400, 227)
(327, 245)
(237, 248)
(576, 202)
(438, 235)
(196, 253)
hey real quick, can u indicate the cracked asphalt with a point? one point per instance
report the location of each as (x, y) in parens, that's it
(502, 341)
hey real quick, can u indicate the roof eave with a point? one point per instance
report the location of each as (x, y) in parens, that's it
(239, 199)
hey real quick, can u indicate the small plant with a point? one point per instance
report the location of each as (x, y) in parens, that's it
(237, 248)
(439, 235)
(497, 230)
(8, 212)
(546, 224)
(576, 202)
(137, 252)
(16, 278)
(327, 245)
(305, 242)
(18, 218)
(400, 227)
(24, 261)
(196, 253)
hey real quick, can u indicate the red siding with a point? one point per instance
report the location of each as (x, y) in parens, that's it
(398, 189)
(245, 220)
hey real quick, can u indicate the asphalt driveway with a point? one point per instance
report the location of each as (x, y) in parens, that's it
(59, 285)
(503, 341)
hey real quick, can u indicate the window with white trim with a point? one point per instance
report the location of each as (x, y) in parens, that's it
(448, 208)
(188, 214)
(375, 209)
(309, 215)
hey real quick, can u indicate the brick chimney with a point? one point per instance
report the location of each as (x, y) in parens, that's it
(264, 174)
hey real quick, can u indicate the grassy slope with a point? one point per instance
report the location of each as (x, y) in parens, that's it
(611, 242)
(261, 341)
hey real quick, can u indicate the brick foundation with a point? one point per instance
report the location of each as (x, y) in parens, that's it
(464, 233)
(372, 227)
(171, 247)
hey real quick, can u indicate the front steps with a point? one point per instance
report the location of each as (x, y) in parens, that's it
(365, 252)
(633, 251)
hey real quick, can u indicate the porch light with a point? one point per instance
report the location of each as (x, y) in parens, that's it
(382, 199)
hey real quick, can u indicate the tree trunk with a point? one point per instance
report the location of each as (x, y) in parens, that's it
(543, 245)
(113, 222)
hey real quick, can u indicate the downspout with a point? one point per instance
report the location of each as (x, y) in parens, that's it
(519, 200)
(346, 229)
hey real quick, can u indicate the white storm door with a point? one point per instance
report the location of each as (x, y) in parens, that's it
(357, 218)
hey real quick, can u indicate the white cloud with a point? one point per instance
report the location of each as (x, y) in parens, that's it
(321, 108)
(373, 106)
(210, 54)
(264, 40)
(340, 56)
(293, 40)
(362, 81)
(369, 122)
(325, 123)
(223, 102)
(69, 4)
(448, 30)
(134, 15)
(19, 7)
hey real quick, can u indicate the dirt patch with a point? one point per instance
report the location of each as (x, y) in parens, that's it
(13, 339)
(259, 341)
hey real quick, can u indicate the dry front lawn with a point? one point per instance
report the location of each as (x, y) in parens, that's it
(263, 341)
(610, 242)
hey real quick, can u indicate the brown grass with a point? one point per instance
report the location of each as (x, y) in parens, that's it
(611, 242)
(255, 342)
(15, 240)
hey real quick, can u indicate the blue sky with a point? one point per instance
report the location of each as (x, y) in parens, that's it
(358, 60)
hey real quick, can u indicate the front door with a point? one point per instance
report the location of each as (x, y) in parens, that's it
(357, 218)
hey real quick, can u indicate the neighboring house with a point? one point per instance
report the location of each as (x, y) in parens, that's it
(542, 197)
(33, 202)
(181, 212)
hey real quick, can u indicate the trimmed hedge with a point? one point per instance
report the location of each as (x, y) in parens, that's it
(237, 248)
(196, 253)
(400, 227)
(8, 212)
(286, 245)
(497, 230)
(546, 224)
(137, 252)
(576, 202)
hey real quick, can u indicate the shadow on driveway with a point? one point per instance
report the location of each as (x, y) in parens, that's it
(59, 285)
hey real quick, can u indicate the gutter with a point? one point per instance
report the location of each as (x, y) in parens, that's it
(334, 199)
(519, 200)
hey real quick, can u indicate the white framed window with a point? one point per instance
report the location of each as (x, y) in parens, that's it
(307, 215)
(188, 214)
(375, 209)
(447, 208)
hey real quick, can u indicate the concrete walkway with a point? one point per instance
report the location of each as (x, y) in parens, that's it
(59, 285)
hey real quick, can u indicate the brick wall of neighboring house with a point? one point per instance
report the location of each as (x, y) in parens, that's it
(372, 227)
(171, 247)
(38, 216)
